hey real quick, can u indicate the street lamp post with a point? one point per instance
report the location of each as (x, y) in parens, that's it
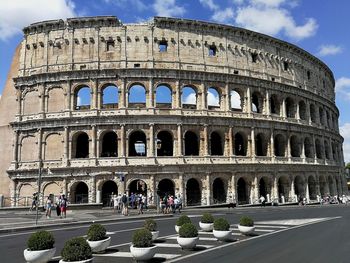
(39, 190)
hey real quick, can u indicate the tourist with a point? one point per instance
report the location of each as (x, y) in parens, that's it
(34, 202)
(125, 210)
(262, 201)
(48, 207)
(63, 206)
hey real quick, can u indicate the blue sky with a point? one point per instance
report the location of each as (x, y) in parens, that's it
(318, 26)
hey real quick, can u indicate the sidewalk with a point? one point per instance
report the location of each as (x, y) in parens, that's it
(13, 221)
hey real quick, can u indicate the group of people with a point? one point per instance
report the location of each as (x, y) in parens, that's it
(169, 204)
(60, 204)
(121, 203)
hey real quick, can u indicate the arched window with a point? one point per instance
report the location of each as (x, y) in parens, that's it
(219, 191)
(302, 110)
(137, 96)
(163, 97)
(110, 97)
(164, 144)
(308, 146)
(240, 145)
(242, 192)
(82, 98)
(290, 108)
(327, 150)
(318, 149)
(236, 101)
(260, 145)
(81, 143)
(216, 146)
(137, 144)
(280, 145)
(275, 105)
(109, 145)
(193, 192)
(257, 102)
(295, 146)
(188, 98)
(213, 99)
(321, 113)
(191, 144)
(312, 113)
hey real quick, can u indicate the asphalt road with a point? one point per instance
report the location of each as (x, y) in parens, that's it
(289, 235)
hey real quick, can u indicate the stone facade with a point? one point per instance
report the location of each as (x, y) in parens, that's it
(281, 140)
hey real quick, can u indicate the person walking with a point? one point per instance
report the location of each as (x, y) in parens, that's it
(63, 206)
(48, 207)
(34, 202)
(58, 208)
(125, 210)
(262, 201)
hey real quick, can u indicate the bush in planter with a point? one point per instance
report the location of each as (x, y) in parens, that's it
(40, 240)
(183, 220)
(221, 224)
(246, 221)
(76, 249)
(207, 218)
(150, 225)
(142, 238)
(188, 230)
(96, 232)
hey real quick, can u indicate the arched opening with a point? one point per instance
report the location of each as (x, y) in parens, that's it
(321, 113)
(275, 105)
(263, 188)
(260, 145)
(137, 144)
(216, 147)
(327, 150)
(257, 102)
(242, 190)
(308, 146)
(283, 189)
(219, 191)
(109, 145)
(312, 188)
(299, 188)
(189, 98)
(236, 101)
(312, 113)
(80, 194)
(318, 149)
(110, 97)
(191, 144)
(138, 187)
(193, 192)
(164, 144)
(166, 187)
(137, 96)
(329, 122)
(323, 186)
(240, 145)
(25, 195)
(331, 186)
(163, 97)
(109, 188)
(213, 99)
(334, 151)
(302, 110)
(82, 98)
(290, 108)
(295, 146)
(81, 145)
(280, 145)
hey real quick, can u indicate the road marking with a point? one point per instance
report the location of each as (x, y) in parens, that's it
(128, 255)
(178, 246)
(255, 237)
(271, 226)
(201, 238)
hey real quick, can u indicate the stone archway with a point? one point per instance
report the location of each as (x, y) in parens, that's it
(299, 188)
(109, 188)
(242, 192)
(312, 188)
(166, 187)
(79, 193)
(193, 192)
(138, 186)
(263, 188)
(283, 189)
(219, 191)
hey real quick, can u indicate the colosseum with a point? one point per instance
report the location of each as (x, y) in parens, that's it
(213, 113)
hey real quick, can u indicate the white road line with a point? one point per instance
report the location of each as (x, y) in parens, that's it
(178, 246)
(270, 226)
(201, 238)
(128, 255)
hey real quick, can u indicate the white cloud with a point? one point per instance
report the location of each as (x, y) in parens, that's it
(190, 99)
(345, 132)
(16, 14)
(213, 99)
(210, 4)
(168, 8)
(326, 50)
(271, 3)
(223, 16)
(342, 87)
(235, 100)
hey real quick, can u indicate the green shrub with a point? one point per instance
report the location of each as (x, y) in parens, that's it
(188, 230)
(150, 225)
(76, 249)
(246, 221)
(221, 224)
(207, 218)
(183, 220)
(96, 232)
(40, 240)
(142, 238)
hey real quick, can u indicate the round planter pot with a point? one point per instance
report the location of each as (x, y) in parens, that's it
(155, 235)
(143, 253)
(187, 242)
(39, 256)
(206, 227)
(223, 235)
(177, 228)
(100, 245)
(80, 261)
(246, 230)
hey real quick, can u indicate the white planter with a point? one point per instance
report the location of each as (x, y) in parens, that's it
(206, 227)
(246, 230)
(155, 235)
(143, 253)
(100, 245)
(80, 261)
(223, 235)
(39, 256)
(177, 228)
(187, 242)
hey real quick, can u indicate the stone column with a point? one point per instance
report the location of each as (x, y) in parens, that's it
(205, 140)
(15, 148)
(121, 92)
(230, 141)
(66, 145)
(99, 94)
(308, 115)
(292, 191)
(267, 104)
(208, 190)
(177, 96)
(179, 140)
(252, 137)
(40, 142)
(122, 140)
(203, 97)
(227, 98)
(93, 189)
(234, 188)
(298, 111)
(307, 193)
(42, 98)
(288, 146)
(275, 188)
(181, 186)
(255, 188)
(69, 97)
(284, 114)
(93, 141)
(248, 101)
(150, 153)
(150, 93)
(272, 144)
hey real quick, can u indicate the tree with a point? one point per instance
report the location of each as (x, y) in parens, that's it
(347, 166)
